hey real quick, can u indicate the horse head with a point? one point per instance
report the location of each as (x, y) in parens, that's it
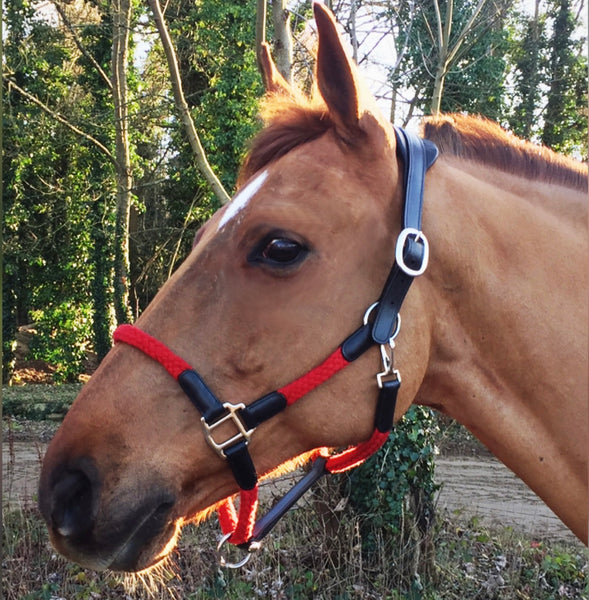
(274, 282)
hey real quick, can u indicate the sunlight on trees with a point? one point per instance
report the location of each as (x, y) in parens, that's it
(105, 184)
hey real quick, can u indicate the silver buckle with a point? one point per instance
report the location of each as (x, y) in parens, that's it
(419, 237)
(232, 415)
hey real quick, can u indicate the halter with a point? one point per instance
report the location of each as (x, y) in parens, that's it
(380, 326)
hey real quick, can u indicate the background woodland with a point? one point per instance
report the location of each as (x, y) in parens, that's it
(124, 125)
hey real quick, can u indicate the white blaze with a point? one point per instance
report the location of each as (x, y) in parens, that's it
(241, 200)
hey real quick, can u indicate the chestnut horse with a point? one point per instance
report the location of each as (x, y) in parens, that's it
(494, 333)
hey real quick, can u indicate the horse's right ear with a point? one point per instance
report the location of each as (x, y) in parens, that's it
(337, 76)
(274, 82)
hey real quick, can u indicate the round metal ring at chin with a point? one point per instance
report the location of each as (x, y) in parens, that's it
(397, 323)
(224, 562)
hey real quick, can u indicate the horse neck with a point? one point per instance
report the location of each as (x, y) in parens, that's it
(508, 281)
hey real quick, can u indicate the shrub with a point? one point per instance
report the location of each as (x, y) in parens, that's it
(63, 331)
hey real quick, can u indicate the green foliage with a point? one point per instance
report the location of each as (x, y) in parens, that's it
(222, 78)
(63, 331)
(475, 80)
(567, 97)
(402, 468)
(476, 84)
(38, 402)
(216, 56)
(56, 186)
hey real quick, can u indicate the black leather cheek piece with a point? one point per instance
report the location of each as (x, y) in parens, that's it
(242, 466)
(355, 345)
(200, 395)
(417, 156)
(390, 303)
(385, 407)
(262, 409)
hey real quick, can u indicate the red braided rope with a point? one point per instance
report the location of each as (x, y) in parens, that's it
(227, 516)
(314, 378)
(129, 334)
(240, 526)
(356, 455)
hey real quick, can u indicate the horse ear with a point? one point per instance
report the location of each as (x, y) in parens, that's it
(274, 82)
(336, 74)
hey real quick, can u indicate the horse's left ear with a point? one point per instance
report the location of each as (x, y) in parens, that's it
(336, 75)
(274, 82)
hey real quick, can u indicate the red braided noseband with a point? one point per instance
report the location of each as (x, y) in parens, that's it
(240, 525)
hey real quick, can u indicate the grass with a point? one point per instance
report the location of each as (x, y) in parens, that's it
(304, 561)
(318, 552)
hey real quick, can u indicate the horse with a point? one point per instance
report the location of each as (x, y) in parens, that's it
(493, 333)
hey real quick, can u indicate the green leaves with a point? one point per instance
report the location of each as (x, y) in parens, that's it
(379, 487)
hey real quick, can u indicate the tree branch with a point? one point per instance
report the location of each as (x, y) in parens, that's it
(61, 119)
(260, 30)
(182, 106)
(79, 44)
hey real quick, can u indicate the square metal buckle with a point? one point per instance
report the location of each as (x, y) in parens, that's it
(233, 416)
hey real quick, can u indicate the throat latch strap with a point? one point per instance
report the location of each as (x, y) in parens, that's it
(412, 248)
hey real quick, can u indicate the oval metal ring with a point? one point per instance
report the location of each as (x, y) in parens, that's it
(231, 565)
(396, 330)
(369, 312)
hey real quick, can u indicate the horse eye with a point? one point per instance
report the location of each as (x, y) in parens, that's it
(281, 252)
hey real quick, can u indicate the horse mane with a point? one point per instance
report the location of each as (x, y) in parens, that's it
(291, 120)
(484, 141)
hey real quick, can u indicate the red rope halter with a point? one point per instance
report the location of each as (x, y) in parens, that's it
(411, 257)
(240, 524)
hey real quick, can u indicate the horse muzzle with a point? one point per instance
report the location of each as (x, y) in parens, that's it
(121, 531)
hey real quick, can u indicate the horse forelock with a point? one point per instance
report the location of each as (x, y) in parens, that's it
(289, 121)
(484, 141)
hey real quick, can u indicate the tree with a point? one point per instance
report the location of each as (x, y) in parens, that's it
(72, 133)
(121, 24)
(550, 73)
(49, 192)
(528, 62)
(567, 95)
(282, 39)
(182, 106)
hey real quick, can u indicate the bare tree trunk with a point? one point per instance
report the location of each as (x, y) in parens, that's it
(439, 80)
(448, 49)
(121, 19)
(282, 39)
(182, 106)
(352, 29)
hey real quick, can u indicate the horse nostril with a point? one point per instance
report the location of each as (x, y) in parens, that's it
(72, 505)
